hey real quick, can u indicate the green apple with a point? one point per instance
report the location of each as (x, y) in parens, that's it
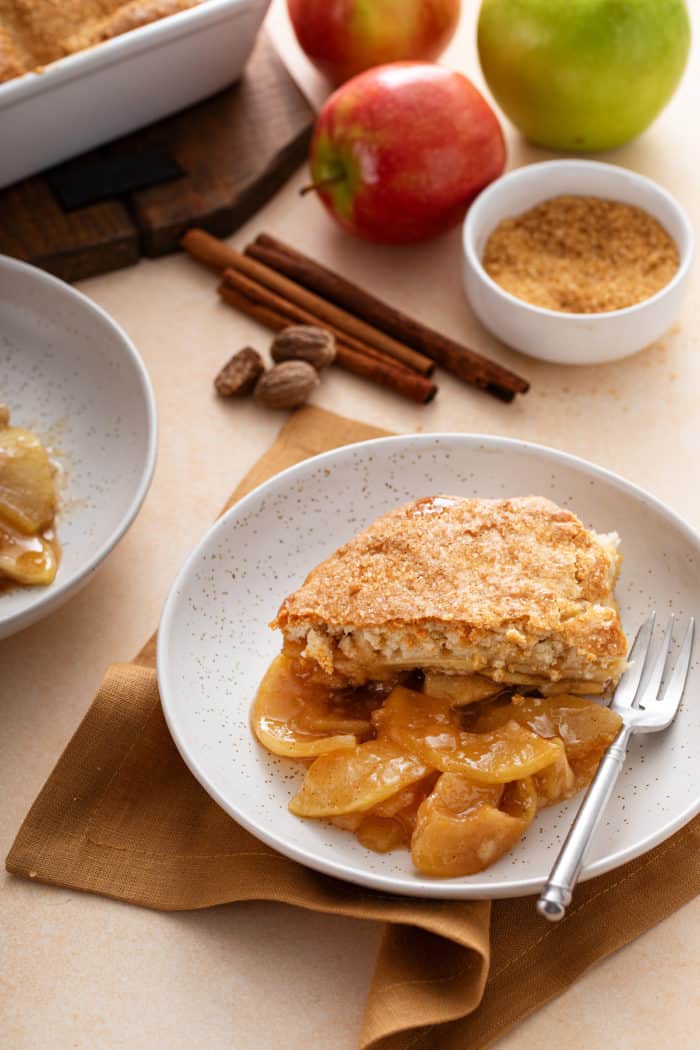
(583, 74)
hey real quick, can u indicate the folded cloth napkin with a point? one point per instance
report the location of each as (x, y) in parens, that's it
(121, 815)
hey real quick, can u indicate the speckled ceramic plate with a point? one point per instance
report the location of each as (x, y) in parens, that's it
(69, 373)
(214, 644)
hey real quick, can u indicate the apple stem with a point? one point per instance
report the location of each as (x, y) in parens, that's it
(316, 186)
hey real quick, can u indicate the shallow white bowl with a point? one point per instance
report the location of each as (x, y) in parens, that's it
(68, 372)
(567, 338)
(214, 645)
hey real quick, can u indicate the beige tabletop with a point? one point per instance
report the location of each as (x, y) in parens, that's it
(82, 972)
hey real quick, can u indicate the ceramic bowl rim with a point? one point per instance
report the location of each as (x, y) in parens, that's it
(53, 596)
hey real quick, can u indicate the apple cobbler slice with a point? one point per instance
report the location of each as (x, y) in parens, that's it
(438, 668)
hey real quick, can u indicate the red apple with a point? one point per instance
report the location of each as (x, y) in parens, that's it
(400, 151)
(344, 37)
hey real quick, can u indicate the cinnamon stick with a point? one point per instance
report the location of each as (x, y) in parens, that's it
(378, 370)
(218, 256)
(267, 297)
(455, 358)
(206, 249)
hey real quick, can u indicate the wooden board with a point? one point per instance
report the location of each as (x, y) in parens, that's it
(236, 149)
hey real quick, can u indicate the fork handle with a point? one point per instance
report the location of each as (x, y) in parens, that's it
(556, 895)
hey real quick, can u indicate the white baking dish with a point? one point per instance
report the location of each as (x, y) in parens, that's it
(125, 83)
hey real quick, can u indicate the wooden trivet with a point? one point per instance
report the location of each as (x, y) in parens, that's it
(236, 148)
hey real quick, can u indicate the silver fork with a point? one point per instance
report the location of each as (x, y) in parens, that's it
(644, 709)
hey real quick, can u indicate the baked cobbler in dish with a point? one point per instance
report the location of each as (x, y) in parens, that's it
(36, 32)
(436, 669)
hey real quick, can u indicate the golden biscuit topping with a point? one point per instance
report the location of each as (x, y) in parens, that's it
(475, 562)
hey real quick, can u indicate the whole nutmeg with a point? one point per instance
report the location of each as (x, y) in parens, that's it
(304, 342)
(240, 374)
(286, 385)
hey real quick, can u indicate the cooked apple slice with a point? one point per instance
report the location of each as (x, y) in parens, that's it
(391, 823)
(356, 779)
(572, 685)
(586, 728)
(463, 827)
(29, 560)
(27, 492)
(382, 834)
(459, 689)
(347, 821)
(430, 728)
(297, 718)
(555, 783)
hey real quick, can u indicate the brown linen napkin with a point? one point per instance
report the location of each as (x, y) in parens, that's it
(122, 816)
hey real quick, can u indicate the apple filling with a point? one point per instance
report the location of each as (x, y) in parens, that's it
(29, 550)
(452, 767)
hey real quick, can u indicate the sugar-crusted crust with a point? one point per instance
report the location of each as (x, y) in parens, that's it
(36, 32)
(12, 64)
(509, 587)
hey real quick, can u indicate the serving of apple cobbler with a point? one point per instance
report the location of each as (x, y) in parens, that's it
(32, 34)
(436, 673)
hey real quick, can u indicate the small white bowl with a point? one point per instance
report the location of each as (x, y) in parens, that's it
(569, 338)
(69, 373)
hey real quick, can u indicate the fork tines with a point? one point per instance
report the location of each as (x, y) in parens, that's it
(645, 684)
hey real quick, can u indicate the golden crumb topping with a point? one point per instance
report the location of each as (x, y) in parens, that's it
(523, 564)
(34, 33)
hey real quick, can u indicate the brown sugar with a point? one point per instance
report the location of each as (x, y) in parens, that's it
(581, 255)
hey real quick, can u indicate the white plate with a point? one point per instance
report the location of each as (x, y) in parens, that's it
(214, 644)
(69, 373)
